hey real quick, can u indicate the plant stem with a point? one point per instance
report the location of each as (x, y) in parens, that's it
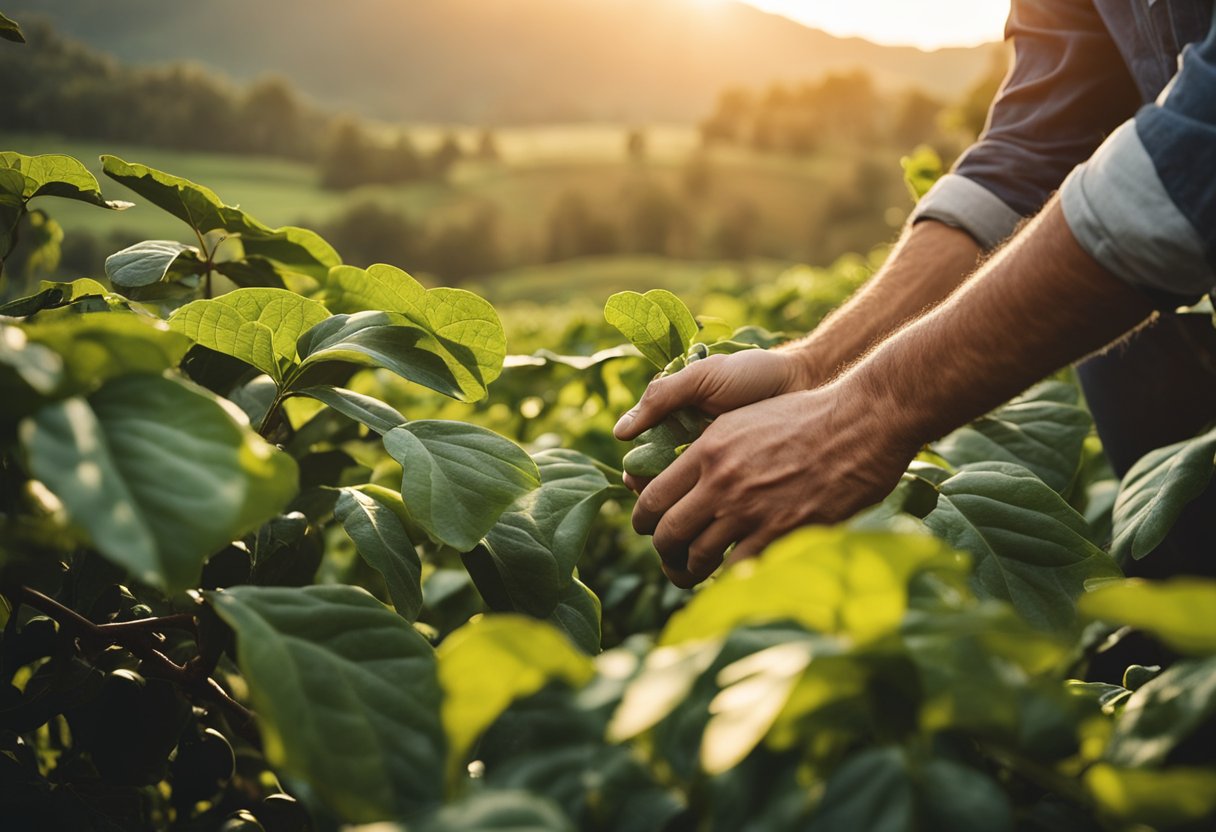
(137, 636)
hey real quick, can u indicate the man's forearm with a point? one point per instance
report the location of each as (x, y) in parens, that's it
(1041, 303)
(930, 261)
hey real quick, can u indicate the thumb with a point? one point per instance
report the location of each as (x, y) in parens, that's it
(662, 396)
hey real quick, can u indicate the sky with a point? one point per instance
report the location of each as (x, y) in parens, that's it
(926, 23)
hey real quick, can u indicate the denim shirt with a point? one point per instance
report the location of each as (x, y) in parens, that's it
(1113, 102)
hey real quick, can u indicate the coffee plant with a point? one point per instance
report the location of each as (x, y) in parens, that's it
(287, 544)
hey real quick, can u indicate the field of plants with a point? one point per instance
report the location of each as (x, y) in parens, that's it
(288, 544)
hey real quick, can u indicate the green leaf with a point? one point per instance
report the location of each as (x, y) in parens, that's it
(96, 348)
(52, 174)
(577, 614)
(827, 580)
(36, 365)
(755, 691)
(499, 811)
(461, 328)
(1040, 434)
(1030, 547)
(381, 540)
(657, 323)
(1156, 490)
(459, 478)
(1163, 713)
(158, 473)
(346, 694)
(366, 410)
(1180, 797)
(257, 326)
(493, 661)
(956, 798)
(1181, 612)
(9, 30)
(537, 542)
(150, 262)
(200, 208)
(871, 790)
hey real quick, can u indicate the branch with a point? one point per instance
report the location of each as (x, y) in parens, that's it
(140, 638)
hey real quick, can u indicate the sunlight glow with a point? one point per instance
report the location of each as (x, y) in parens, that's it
(929, 24)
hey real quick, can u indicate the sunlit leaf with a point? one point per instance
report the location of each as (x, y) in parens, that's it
(158, 473)
(492, 661)
(1174, 797)
(257, 326)
(657, 323)
(346, 695)
(201, 209)
(96, 348)
(828, 580)
(1181, 612)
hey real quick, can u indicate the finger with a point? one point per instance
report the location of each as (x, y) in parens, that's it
(706, 552)
(679, 577)
(665, 490)
(682, 524)
(636, 484)
(750, 547)
(662, 397)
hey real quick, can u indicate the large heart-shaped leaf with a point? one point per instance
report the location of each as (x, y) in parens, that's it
(459, 478)
(23, 178)
(346, 695)
(1031, 548)
(199, 207)
(382, 541)
(53, 174)
(150, 261)
(1037, 431)
(257, 326)
(158, 473)
(462, 329)
(657, 323)
(1156, 490)
(537, 542)
(489, 663)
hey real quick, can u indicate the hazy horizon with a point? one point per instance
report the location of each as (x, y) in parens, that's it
(930, 24)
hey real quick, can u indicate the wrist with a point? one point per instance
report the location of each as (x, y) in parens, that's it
(871, 394)
(802, 370)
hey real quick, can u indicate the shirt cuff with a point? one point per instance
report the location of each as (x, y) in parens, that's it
(1119, 211)
(964, 203)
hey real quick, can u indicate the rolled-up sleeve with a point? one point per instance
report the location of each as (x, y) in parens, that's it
(1067, 90)
(1145, 205)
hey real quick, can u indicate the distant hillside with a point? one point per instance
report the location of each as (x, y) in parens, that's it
(498, 60)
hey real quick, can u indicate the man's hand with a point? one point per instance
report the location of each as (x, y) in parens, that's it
(764, 469)
(715, 385)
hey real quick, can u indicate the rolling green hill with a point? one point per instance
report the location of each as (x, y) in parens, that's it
(494, 60)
